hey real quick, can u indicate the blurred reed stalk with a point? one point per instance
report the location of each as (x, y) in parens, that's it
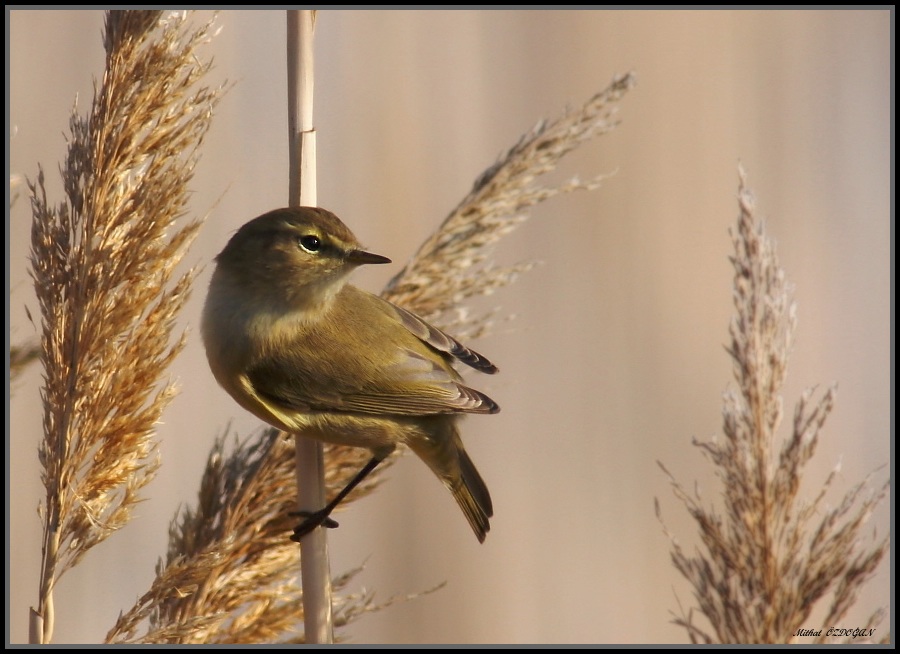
(20, 357)
(103, 263)
(768, 562)
(230, 573)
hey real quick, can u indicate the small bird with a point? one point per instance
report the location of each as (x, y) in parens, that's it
(296, 345)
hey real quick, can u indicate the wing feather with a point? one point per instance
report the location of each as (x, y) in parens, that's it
(399, 374)
(442, 341)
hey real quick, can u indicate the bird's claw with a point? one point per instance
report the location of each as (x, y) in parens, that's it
(313, 519)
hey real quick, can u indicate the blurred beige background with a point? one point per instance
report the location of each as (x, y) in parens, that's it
(615, 359)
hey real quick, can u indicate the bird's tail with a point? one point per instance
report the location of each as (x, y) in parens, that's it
(444, 453)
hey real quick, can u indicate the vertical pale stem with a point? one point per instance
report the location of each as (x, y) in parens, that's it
(40, 628)
(314, 568)
(35, 628)
(302, 133)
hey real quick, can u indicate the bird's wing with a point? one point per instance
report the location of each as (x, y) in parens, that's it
(410, 385)
(442, 341)
(412, 375)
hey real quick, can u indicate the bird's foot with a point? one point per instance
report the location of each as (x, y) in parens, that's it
(313, 519)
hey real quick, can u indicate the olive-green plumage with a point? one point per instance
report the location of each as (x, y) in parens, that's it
(304, 351)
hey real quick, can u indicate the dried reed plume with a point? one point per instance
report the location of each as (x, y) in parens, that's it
(772, 557)
(103, 266)
(230, 575)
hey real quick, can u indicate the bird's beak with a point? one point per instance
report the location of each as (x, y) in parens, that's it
(359, 257)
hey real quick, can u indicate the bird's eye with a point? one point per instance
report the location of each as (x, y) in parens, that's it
(310, 243)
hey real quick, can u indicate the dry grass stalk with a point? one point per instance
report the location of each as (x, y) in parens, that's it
(772, 557)
(246, 541)
(103, 265)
